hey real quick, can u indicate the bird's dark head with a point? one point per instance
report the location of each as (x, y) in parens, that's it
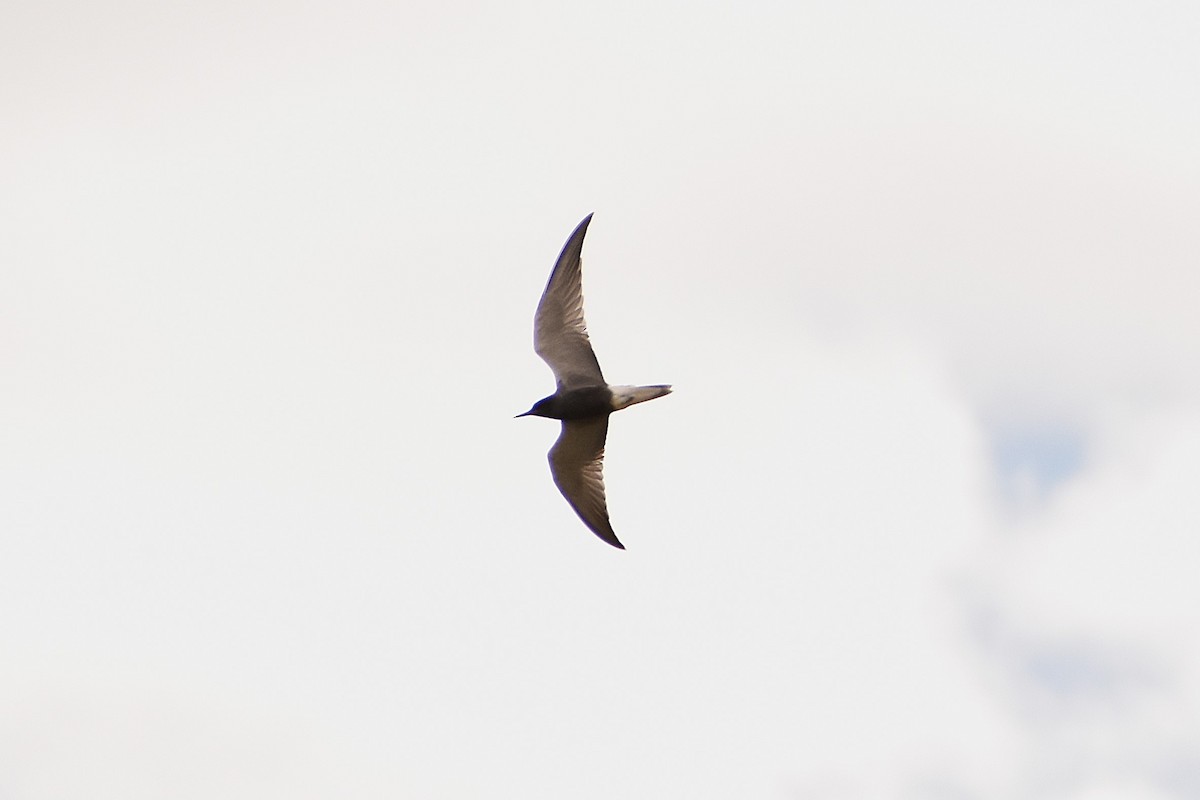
(542, 408)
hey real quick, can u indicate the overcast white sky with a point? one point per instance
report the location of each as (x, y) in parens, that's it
(920, 520)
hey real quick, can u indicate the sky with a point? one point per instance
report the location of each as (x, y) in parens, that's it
(919, 520)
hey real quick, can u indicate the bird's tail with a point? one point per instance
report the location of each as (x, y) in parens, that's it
(625, 396)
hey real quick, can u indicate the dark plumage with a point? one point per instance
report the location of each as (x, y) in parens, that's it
(584, 399)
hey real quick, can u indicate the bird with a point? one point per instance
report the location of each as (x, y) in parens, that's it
(583, 400)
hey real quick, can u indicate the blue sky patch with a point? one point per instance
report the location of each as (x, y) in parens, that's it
(1031, 461)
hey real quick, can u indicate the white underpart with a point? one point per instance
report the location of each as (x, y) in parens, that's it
(624, 396)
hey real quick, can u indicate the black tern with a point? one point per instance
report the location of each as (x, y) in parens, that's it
(584, 399)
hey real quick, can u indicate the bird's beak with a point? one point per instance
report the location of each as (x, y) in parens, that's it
(525, 414)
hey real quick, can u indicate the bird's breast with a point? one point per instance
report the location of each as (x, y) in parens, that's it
(590, 401)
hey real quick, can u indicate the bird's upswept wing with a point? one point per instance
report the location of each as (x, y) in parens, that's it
(559, 333)
(577, 462)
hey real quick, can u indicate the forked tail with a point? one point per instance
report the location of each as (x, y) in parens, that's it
(625, 396)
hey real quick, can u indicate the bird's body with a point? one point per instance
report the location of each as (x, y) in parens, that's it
(593, 401)
(584, 399)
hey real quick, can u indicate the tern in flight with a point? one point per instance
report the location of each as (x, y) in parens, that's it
(584, 399)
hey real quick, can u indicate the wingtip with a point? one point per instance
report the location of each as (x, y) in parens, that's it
(608, 537)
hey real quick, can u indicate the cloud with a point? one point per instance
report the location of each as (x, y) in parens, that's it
(269, 529)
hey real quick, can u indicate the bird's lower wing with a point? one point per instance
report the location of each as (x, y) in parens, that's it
(577, 464)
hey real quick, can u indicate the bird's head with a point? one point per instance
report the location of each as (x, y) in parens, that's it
(542, 408)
